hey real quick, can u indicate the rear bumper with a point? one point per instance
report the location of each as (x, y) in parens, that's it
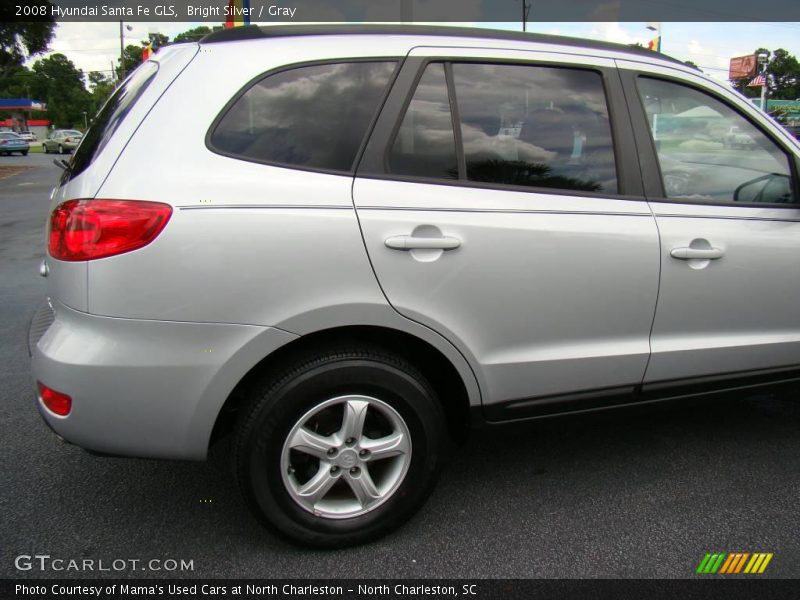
(143, 388)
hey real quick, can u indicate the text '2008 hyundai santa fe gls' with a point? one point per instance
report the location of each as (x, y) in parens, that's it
(365, 240)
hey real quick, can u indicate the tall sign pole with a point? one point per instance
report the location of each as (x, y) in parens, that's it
(655, 43)
(526, 10)
(763, 60)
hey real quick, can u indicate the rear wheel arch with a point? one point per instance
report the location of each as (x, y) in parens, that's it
(445, 378)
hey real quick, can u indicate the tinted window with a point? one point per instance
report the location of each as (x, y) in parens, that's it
(708, 151)
(313, 116)
(109, 118)
(424, 145)
(535, 126)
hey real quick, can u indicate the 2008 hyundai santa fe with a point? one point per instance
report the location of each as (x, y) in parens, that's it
(347, 245)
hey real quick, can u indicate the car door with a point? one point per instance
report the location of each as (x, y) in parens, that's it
(728, 214)
(497, 211)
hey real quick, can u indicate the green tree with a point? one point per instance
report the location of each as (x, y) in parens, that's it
(101, 89)
(783, 79)
(158, 39)
(193, 35)
(132, 55)
(784, 76)
(58, 82)
(18, 40)
(131, 58)
(16, 82)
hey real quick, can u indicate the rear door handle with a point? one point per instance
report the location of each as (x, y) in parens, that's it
(697, 253)
(410, 242)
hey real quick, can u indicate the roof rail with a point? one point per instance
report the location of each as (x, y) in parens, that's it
(254, 32)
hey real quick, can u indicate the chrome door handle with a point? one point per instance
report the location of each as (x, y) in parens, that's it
(697, 253)
(410, 242)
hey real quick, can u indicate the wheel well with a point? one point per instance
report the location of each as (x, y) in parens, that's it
(437, 368)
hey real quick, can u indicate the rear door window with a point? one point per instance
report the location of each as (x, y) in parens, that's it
(535, 126)
(312, 117)
(516, 125)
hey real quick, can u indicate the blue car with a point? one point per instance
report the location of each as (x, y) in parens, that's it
(11, 142)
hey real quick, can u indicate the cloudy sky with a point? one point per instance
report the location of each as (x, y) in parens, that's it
(93, 46)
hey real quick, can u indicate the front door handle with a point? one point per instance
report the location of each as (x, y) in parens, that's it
(696, 253)
(410, 242)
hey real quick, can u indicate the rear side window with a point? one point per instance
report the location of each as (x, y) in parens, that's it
(309, 117)
(535, 126)
(517, 125)
(110, 116)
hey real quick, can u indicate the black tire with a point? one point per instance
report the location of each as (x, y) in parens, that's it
(44, 149)
(281, 399)
(24, 153)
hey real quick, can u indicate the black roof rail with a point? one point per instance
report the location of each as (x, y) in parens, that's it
(254, 32)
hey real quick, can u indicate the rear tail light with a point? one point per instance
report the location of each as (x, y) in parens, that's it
(56, 402)
(92, 229)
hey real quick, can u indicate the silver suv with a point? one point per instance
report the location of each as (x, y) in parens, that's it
(348, 245)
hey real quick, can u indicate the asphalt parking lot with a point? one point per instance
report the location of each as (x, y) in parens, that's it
(641, 493)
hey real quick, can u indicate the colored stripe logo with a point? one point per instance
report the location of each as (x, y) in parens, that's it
(726, 563)
(237, 13)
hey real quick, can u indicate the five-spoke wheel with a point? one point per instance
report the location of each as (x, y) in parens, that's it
(350, 471)
(341, 447)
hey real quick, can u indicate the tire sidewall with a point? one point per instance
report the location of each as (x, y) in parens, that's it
(272, 420)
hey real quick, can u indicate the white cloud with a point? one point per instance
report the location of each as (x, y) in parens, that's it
(94, 46)
(615, 32)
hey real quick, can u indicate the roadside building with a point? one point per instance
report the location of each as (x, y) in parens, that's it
(20, 115)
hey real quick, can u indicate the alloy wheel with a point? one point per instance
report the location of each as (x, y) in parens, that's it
(346, 456)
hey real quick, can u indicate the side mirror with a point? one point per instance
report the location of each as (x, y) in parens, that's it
(772, 188)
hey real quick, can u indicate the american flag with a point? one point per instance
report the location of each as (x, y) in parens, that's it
(757, 82)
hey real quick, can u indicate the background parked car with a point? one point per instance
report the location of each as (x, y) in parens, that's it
(794, 130)
(11, 142)
(62, 141)
(736, 138)
(28, 136)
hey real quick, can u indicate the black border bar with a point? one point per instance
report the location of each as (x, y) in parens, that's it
(367, 11)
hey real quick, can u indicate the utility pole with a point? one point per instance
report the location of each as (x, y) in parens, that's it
(763, 60)
(121, 53)
(526, 10)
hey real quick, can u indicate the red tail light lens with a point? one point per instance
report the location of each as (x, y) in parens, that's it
(56, 402)
(92, 229)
